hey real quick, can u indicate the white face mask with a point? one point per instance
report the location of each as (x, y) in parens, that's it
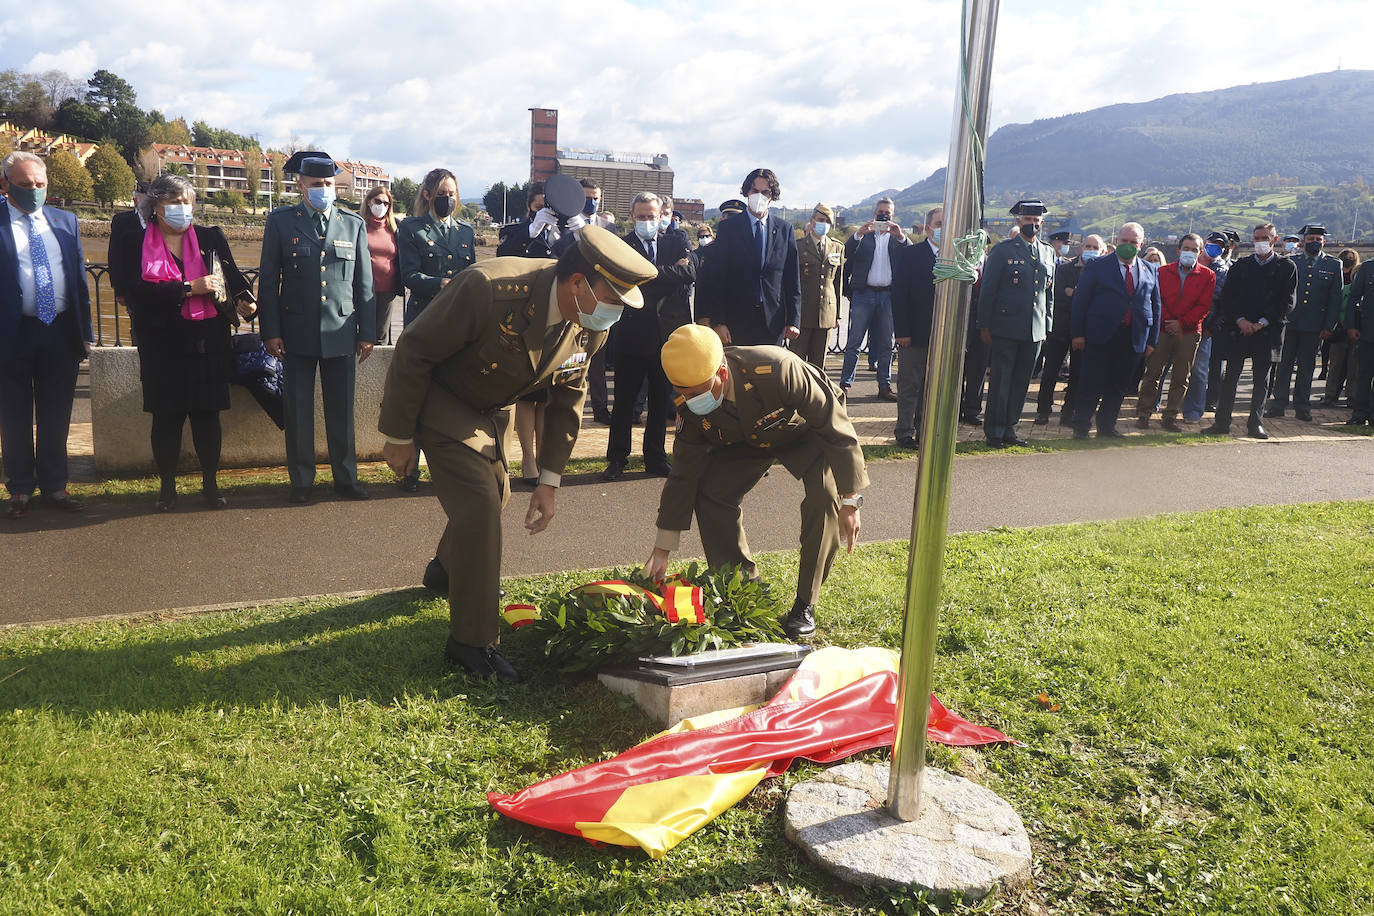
(379, 209)
(758, 203)
(1263, 248)
(705, 240)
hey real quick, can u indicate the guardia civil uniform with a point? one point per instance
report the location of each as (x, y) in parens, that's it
(315, 293)
(1316, 310)
(776, 408)
(430, 251)
(1016, 304)
(491, 336)
(821, 261)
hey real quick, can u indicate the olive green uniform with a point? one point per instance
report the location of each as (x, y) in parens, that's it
(822, 266)
(778, 408)
(489, 337)
(1015, 304)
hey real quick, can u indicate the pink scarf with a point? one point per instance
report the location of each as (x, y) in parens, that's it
(158, 267)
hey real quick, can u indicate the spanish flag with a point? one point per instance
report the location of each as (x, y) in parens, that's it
(839, 702)
(683, 604)
(520, 615)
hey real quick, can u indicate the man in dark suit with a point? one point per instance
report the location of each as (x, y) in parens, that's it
(1254, 304)
(1059, 341)
(45, 332)
(641, 333)
(869, 256)
(126, 230)
(751, 290)
(913, 310)
(1115, 322)
(315, 240)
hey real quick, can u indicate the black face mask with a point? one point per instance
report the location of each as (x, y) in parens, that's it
(443, 206)
(1029, 229)
(1312, 249)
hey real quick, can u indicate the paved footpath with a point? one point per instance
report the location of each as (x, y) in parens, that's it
(121, 558)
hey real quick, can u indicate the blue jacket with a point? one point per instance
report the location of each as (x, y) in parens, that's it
(1100, 303)
(734, 283)
(858, 260)
(75, 321)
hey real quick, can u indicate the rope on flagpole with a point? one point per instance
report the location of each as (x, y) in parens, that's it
(968, 249)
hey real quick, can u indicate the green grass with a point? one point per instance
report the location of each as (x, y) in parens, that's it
(1209, 754)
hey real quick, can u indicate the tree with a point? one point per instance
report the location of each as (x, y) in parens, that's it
(107, 91)
(233, 200)
(174, 132)
(278, 160)
(505, 201)
(67, 180)
(59, 87)
(79, 120)
(147, 165)
(127, 126)
(252, 174)
(111, 177)
(200, 177)
(403, 194)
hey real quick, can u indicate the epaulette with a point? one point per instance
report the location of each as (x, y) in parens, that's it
(516, 288)
(463, 222)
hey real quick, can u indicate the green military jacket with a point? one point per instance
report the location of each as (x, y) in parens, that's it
(429, 253)
(778, 404)
(1318, 303)
(484, 341)
(1016, 296)
(327, 320)
(822, 266)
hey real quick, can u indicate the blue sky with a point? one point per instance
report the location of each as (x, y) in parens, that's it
(840, 100)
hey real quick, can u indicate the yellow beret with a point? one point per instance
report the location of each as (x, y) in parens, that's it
(692, 355)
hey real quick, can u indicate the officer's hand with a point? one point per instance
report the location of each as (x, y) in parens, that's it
(791, 333)
(1326, 335)
(1080, 342)
(401, 458)
(656, 567)
(276, 346)
(849, 526)
(724, 333)
(541, 509)
(986, 337)
(1353, 333)
(364, 350)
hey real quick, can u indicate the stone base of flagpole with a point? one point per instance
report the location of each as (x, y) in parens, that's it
(966, 841)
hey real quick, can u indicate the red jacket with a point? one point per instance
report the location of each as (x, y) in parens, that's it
(1189, 301)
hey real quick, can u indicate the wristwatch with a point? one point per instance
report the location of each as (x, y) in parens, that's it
(185, 290)
(856, 501)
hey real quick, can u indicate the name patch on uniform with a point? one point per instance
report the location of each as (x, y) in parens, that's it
(763, 370)
(834, 258)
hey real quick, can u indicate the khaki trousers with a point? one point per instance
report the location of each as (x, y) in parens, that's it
(810, 345)
(1182, 349)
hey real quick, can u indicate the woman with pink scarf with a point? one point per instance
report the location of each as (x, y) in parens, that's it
(183, 312)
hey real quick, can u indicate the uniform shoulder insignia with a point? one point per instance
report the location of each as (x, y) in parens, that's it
(765, 369)
(463, 222)
(348, 214)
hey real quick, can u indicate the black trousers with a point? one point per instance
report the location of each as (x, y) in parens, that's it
(1056, 350)
(38, 384)
(1300, 351)
(1260, 356)
(1362, 398)
(1107, 377)
(205, 434)
(634, 365)
(975, 374)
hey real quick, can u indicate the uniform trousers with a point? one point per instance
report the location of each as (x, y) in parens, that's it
(1362, 398)
(975, 373)
(911, 393)
(810, 345)
(338, 375)
(1056, 350)
(1181, 351)
(731, 472)
(1012, 362)
(472, 489)
(1108, 376)
(37, 381)
(1343, 370)
(1300, 350)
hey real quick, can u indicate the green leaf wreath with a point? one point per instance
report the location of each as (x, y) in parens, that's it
(585, 632)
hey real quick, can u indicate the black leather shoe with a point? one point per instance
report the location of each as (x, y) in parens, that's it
(799, 622)
(481, 661)
(300, 495)
(971, 419)
(1216, 429)
(1013, 439)
(19, 506)
(212, 500)
(602, 416)
(1304, 415)
(62, 500)
(1142, 422)
(1112, 433)
(996, 443)
(1170, 425)
(1042, 419)
(614, 471)
(436, 577)
(409, 484)
(659, 468)
(909, 442)
(1257, 432)
(1082, 434)
(1353, 421)
(1273, 412)
(354, 491)
(1066, 419)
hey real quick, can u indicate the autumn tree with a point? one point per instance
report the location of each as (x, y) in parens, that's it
(111, 177)
(67, 178)
(252, 174)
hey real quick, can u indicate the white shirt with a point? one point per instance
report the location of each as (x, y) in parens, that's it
(1129, 269)
(880, 274)
(28, 290)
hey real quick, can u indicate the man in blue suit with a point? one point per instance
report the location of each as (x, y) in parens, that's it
(750, 291)
(45, 333)
(1115, 322)
(302, 244)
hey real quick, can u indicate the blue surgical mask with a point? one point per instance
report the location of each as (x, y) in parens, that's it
(589, 208)
(664, 222)
(30, 200)
(704, 403)
(1290, 247)
(936, 234)
(320, 198)
(1090, 253)
(1187, 258)
(646, 228)
(178, 216)
(1213, 250)
(820, 229)
(602, 317)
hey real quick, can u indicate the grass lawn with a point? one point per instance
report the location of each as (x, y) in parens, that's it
(1202, 745)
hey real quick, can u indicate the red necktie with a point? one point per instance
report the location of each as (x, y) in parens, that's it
(1130, 293)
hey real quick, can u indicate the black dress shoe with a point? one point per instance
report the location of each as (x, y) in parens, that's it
(614, 471)
(1014, 439)
(1112, 433)
(1273, 412)
(1304, 415)
(1082, 434)
(1066, 419)
(1042, 419)
(300, 495)
(409, 484)
(659, 468)
(971, 419)
(1257, 432)
(1216, 429)
(352, 491)
(909, 442)
(483, 661)
(18, 507)
(602, 416)
(62, 500)
(436, 577)
(166, 499)
(213, 501)
(800, 621)
(996, 443)
(1353, 421)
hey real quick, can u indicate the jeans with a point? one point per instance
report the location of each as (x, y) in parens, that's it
(1196, 399)
(870, 312)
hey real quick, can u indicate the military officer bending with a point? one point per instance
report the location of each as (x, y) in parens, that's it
(502, 329)
(741, 409)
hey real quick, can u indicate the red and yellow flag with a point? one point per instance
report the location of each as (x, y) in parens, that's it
(683, 604)
(520, 615)
(618, 587)
(839, 702)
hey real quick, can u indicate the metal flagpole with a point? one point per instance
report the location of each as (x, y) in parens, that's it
(939, 426)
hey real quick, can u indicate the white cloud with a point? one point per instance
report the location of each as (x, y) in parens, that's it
(80, 58)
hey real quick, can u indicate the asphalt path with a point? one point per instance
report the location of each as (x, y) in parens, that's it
(120, 558)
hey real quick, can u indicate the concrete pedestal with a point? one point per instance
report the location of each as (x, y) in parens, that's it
(966, 840)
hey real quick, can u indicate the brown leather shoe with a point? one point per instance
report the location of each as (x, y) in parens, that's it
(62, 500)
(887, 394)
(1142, 422)
(18, 507)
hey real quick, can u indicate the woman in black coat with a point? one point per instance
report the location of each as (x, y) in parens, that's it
(183, 314)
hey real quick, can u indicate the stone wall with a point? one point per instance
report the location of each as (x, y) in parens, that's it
(120, 428)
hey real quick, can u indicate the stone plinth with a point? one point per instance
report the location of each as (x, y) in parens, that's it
(670, 694)
(966, 839)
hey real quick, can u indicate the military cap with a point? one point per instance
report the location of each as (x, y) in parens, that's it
(731, 207)
(1292, 238)
(692, 355)
(825, 211)
(619, 265)
(1217, 238)
(1313, 229)
(1233, 236)
(1062, 235)
(1032, 207)
(312, 164)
